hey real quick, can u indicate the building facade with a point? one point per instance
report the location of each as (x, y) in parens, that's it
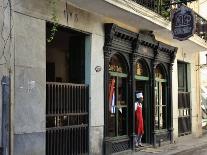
(74, 94)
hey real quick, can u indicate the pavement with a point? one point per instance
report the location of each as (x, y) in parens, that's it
(185, 145)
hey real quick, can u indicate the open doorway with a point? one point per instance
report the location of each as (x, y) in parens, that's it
(65, 56)
(66, 93)
(142, 86)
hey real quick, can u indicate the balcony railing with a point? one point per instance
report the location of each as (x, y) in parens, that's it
(161, 7)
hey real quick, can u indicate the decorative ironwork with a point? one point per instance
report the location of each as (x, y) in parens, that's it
(117, 147)
(66, 119)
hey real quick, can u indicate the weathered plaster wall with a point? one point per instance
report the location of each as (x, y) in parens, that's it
(6, 51)
(30, 61)
(192, 59)
(30, 85)
(202, 8)
(1, 67)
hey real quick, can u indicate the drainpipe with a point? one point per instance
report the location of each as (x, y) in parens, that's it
(5, 82)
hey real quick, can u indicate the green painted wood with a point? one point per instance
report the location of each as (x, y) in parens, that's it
(143, 78)
(160, 80)
(118, 74)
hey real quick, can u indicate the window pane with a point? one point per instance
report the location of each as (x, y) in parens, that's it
(141, 69)
(162, 117)
(116, 64)
(117, 112)
(122, 122)
(122, 106)
(180, 75)
(160, 106)
(156, 117)
(111, 108)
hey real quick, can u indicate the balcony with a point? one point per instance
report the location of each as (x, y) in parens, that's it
(161, 7)
(143, 15)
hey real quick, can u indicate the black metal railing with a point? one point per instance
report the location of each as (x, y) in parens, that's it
(66, 119)
(201, 26)
(184, 109)
(163, 8)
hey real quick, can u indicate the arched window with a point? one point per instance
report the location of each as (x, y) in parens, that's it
(160, 98)
(117, 113)
(141, 72)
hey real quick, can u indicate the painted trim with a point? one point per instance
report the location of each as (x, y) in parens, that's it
(118, 74)
(143, 78)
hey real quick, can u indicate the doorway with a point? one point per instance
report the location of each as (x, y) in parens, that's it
(142, 86)
(67, 95)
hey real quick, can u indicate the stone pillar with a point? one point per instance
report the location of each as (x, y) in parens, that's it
(30, 85)
(170, 129)
(96, 99)
(133, 59)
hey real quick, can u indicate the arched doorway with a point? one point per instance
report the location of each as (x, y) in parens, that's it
(142, 84)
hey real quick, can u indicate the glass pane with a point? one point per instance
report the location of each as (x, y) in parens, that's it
(159, 73)
(156, 106)
(122, 106)
(160, 106)
(116, 64)
(111, 108)
(122, 122)
(121, 91)
(163, 93)
(117, 112)
(141, 69)
(162, 117)
(156, 117)
(156, 94)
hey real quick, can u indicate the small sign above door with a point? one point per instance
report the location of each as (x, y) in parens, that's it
(183, 23)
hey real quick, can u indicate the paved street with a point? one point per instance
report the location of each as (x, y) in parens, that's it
(202, 150)
(187, 145)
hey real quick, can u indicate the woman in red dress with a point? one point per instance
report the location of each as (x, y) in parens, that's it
(139, 130)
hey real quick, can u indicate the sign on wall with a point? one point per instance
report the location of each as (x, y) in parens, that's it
(183, 23)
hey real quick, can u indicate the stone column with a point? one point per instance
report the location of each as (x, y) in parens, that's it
(30, 85)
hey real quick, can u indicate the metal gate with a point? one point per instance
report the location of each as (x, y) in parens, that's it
(184, 119)
(66, 119)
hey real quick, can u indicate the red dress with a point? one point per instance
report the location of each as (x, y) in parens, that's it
(139, 130)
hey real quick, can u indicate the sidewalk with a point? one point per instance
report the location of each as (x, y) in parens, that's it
(184, 143)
